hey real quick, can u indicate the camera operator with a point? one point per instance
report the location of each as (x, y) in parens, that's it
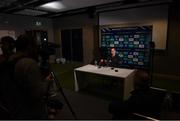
(28, 80)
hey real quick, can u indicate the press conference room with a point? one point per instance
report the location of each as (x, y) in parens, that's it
(89, 60)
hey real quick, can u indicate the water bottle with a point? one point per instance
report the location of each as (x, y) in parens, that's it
(95, 62)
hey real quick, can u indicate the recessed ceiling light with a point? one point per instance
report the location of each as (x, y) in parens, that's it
(53, 6)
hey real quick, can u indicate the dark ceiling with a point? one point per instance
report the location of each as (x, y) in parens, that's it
(29, 7)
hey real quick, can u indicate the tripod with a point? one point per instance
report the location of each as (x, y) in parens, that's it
(60, 89)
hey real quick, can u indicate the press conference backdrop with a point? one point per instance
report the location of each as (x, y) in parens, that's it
(132, 44)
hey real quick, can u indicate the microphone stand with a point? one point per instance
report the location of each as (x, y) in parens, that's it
(152, 47)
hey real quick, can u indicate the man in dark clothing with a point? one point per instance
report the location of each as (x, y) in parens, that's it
(7, 47)
(114, 59)
(27, 78)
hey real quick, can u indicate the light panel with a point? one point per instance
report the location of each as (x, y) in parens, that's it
(53, 6)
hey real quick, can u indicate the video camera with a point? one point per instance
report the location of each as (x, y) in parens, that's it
(46, 49)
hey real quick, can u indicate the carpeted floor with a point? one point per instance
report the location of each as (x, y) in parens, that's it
(65, 73)
(86, 107)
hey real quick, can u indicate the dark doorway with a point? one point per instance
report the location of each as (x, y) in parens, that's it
(72, 47)
(66, 44)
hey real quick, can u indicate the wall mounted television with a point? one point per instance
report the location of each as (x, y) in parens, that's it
(132, 44)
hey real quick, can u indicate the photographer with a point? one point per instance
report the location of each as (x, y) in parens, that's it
(30, 86)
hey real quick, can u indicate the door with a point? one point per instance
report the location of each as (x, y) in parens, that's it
(77, 46)
(66, 44)
(72, 46)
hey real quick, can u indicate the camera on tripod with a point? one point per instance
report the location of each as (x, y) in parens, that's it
(54, 102)
(46, 49)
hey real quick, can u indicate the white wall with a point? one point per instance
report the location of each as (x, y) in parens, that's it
(152, 15)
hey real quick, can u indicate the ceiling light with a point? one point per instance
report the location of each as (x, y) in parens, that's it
(53, 6)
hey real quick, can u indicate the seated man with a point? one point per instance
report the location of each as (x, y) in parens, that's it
(114, 59)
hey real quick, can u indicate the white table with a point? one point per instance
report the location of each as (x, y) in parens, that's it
(125, 75)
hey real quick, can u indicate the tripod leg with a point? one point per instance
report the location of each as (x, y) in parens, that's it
(65, 98)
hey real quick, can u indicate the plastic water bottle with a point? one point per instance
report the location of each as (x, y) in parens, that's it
(95, 62)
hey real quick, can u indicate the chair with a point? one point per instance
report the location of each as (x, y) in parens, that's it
(161, 101)
(154, 109)
(175, 101)
(4, 113)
